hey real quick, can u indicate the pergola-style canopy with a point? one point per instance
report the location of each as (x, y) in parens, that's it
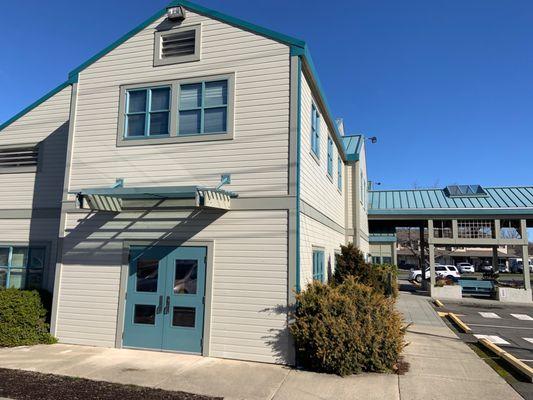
(111, 199)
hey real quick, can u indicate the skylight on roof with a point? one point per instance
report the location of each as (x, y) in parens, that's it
(465, 191)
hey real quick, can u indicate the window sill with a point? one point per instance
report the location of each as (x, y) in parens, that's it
(165, 139)
(315, 157)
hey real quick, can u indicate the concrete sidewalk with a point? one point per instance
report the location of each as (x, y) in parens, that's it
(442, 367)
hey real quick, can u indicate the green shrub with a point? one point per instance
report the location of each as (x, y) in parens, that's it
(346, 328)
(351, 262)
(22, 319)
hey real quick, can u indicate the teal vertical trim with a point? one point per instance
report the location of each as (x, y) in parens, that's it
(298, 164)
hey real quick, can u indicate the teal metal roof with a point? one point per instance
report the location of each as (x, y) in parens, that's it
(161, 192)
(352, 146)
(495, 200)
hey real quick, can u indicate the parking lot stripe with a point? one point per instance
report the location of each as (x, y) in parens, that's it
(499, 326)
(493, 339)
(522, 317)
(489, 315)
(527, 339)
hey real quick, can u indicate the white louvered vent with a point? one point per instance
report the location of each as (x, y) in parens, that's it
(19, 159)
(178, 44)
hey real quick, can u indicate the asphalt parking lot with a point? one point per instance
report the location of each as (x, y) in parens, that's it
(506, 325)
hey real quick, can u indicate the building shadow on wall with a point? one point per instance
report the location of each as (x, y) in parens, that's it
(97, 238)
(47, 195)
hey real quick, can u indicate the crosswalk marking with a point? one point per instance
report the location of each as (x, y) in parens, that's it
(527, 339)
(492, 338)
(523, 317)
(489, 315)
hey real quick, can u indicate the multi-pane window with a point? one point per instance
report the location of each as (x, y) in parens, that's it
(315, 131)
(442, 229)
(475, 229)
(21, 267)
(203, 108)
(318, 265)
(147, 112)
(339, 173)
(510, 229)
(330, 156)
(177, 111)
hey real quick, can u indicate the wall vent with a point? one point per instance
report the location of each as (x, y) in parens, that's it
(19, 159)
(178, 44)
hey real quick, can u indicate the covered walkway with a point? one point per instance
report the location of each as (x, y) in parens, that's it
(460, 216)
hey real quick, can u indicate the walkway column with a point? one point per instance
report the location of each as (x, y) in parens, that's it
(432, 275)
(422, 256)
(525, 263)
(495, 260)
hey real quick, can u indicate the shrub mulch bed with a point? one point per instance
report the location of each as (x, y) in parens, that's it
(23, 385)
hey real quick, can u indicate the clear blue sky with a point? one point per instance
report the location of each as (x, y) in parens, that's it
(446, 86)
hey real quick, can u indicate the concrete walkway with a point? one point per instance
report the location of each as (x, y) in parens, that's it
(442, 367)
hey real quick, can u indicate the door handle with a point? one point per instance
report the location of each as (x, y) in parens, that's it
(159, 306)
(167, 306)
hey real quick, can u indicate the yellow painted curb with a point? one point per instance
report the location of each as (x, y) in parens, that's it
(438, 303)
(525, 369)
(464, 327)
(442, 314)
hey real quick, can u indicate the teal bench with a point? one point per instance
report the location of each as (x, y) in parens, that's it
(478, 288)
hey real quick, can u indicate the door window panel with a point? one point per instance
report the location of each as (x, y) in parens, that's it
(144, 314)
(17, 278)
(147, 274)
(186, 277)
(19, 257)
(3, 277)
(4, 256)
(184, 317)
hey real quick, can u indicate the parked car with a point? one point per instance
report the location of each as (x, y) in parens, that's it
(407, 266)
(443, 271)
(485, 267)
(518, 266)
(503, 268)
(465, 267)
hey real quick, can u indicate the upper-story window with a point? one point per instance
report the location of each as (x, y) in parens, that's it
(183, 110)
(203, 108)
(330, 156)
(339, 173)
(177, 45)
(147, 112)
(363, 190)
(315, 131)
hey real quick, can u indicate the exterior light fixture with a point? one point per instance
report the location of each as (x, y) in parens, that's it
(373, 139)
(176, 13)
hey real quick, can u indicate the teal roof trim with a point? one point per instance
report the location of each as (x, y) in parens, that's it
(498, 200)
(200, 10)
(352, 146)
(382, 238)
(35, 104)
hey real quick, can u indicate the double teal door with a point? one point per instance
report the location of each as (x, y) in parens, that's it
(165, 298)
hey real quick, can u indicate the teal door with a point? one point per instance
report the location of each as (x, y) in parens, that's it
(165, 298)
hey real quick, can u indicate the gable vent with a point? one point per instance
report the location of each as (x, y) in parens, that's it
(19, 159)
(178, 44)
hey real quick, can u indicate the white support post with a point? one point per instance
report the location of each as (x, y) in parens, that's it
(433, 278)
(525, 263)
(495, 260)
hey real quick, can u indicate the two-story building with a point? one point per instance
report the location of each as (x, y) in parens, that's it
(178, 188)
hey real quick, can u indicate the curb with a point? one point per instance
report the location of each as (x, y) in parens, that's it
(464, 327)
(438, 303)
(526, 370)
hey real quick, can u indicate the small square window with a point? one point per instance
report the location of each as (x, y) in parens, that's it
(177, 45)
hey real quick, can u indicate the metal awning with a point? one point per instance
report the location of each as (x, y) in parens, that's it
(112, 199)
